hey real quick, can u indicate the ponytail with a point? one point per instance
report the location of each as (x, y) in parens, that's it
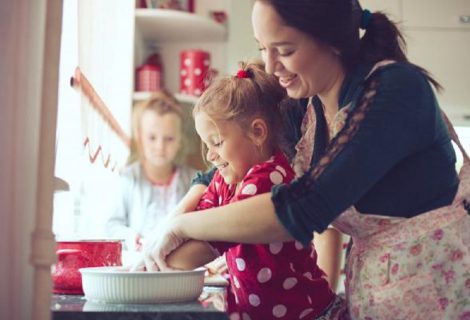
(383, 40)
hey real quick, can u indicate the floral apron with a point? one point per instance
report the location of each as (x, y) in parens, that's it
(399, 268)
(417, 268)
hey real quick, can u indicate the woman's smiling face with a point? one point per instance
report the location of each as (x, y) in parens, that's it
(302, 64)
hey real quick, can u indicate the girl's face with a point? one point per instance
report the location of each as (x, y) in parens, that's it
(160, 137)
(303, 66)
(228, 147)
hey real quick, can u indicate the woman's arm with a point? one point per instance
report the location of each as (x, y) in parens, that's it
(248, 221)
(328, 246)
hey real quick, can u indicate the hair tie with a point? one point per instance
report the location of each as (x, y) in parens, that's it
(242, 74)
(365, 19)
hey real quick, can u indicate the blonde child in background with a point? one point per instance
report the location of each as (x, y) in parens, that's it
(238, 120)
(154, 182)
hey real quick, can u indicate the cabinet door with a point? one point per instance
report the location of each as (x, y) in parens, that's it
(437, 13)
(445, 54)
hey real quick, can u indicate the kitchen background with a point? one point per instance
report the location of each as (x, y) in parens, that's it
(109, 40)
(141, 50)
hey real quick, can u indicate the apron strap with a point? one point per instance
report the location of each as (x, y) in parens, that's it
(455, 137)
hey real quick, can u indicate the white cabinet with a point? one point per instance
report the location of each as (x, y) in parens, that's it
(169, 32)
(438, 38)
(452, 14)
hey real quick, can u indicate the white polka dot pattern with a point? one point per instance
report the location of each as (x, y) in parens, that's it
(291, 265)
(281, 170)
(276, 177)
(197, 71)
(245, 316)
(249, 189)
(298, 245)
(234, 316)
(235, 281)
(279, 311)
(264, 275)
(308, 275)
(241, 265)
(305, 313)
(254, 300)
(275, 247)
(289, 283)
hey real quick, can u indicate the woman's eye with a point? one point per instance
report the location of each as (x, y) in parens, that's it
(169, 139)
(286, 53)
(217, 144)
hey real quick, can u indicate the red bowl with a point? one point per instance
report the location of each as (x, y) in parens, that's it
(73, 255)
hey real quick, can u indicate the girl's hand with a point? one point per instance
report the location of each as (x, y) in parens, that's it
(168, 238)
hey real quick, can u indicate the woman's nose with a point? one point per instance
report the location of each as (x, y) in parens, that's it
(270, 62)
(211, 155)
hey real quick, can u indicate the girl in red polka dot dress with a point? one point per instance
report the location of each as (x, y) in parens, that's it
(238, 120)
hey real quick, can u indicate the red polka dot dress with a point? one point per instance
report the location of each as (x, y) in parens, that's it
(268, 281)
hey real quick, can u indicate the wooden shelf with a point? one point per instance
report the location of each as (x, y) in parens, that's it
(182, 98)
(162, 25)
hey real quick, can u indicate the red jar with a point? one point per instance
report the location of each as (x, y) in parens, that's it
(148, 78)
(194, 71)
(73, 255)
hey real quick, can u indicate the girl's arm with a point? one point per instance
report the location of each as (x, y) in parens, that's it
(190, 200)
(328, 246)
(190, 255)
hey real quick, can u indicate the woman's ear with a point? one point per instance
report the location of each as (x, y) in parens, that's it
(258, 131)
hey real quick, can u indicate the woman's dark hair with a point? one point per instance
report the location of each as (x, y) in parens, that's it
(336, 23)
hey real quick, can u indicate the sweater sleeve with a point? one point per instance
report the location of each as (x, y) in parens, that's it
(202, 177)
(381, 130)
(118, 224)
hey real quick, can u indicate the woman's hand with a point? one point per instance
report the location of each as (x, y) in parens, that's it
(167, 238)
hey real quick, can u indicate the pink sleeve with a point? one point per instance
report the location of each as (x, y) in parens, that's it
(210, 199)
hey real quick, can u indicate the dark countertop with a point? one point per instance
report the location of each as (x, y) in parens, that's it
(211, 305)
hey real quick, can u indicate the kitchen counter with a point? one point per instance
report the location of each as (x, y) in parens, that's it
(210, 305)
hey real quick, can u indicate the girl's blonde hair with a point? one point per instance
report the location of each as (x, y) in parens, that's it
(250, 94)
(161, 102)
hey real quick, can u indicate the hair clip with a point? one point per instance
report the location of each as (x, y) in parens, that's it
(365, 19)
(242, 74)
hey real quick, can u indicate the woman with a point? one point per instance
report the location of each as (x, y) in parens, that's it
(377, 159)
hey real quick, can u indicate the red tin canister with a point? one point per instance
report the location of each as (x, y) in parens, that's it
(194, 71)
(149, 76)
